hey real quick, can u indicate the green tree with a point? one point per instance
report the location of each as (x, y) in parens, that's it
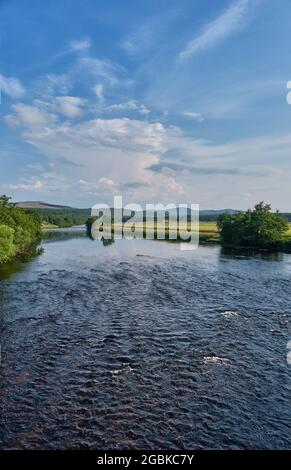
(7, 247)
(20, 230)
(4, 200)
(255, 228)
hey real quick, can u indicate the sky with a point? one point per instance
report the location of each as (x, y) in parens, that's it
(160, 101)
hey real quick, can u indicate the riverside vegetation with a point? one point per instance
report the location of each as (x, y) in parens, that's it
(20, 231)
(258, 228)
(62, 218)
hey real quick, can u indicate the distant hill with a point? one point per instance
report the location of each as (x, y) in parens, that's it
(39, 205)
(55, 214)
(45, 205)
(219, 211)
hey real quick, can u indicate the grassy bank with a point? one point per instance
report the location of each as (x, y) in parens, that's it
(208, 233)
(46, 226)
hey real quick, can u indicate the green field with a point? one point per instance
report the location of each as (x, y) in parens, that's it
(207, 230)
(46, 226)
(287, 235)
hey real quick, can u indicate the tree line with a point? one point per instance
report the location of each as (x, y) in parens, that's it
(65, 217)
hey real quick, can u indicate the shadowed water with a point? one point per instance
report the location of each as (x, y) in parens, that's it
(141, 345)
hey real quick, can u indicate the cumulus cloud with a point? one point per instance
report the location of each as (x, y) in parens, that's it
(34, 186)
(113, 151)
(106, 156)
(106, 182)
(70, 106)
(41, 113)
(132, 105)
(27, 115)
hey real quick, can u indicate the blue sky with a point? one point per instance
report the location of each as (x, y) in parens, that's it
(159, 101)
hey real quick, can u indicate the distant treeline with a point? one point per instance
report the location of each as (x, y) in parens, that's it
(20, 231)
(208, 217)
(215, 217)
(287, 216)
(65, 217)
(68, 217)
(203, 217)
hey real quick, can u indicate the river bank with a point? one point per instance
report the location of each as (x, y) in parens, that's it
(208, 234)
(20, 232)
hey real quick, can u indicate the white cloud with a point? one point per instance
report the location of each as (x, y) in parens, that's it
(36, 167)
(52, 84)
(196, 116)
(132, 105)
(70, 106)
(99, 68)
(35, 186)
(104, 156)
(11, 86)
(109, 150)
(99, 91)
(28, 115)
(102, 134)
(79, 45)
(146, 35)
(106, 181)
(143, 109)
(42, 113)
(143, 38)
(217, 30)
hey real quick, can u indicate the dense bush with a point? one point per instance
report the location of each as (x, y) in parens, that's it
(20, 230)
(254, 228)
(7, 247)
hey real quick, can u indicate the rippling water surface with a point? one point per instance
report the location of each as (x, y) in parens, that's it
(141, 345)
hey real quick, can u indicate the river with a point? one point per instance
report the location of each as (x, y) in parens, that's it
(139, 345)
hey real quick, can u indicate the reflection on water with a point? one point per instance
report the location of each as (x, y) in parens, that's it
(60, 234)
(141, 345)
(240, 253)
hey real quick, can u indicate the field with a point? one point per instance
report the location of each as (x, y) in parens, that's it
(208, 231)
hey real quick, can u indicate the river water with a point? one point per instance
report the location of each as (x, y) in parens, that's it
(139, 345)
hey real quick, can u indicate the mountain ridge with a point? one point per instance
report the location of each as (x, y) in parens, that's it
(45, 205)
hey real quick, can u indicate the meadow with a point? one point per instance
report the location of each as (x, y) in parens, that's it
(208, 231)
